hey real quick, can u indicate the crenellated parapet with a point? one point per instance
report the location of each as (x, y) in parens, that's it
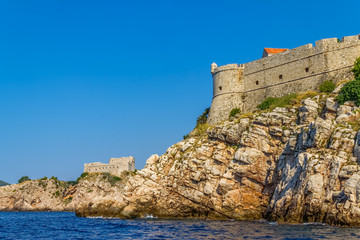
(303, 68)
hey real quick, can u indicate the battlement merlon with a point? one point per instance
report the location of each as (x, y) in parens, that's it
(215, 69)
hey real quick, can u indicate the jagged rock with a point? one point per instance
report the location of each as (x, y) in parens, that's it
(347, 171)
(357, 146)
(331, 105)
(344, 110)
(338, 88)
(229, 132)
(247, 155)
(308, 111)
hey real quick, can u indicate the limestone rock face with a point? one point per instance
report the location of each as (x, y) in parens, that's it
(296, 164)
(54, 195)
(36, 195)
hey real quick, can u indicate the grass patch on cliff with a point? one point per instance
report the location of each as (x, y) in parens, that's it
(288, 100)
(111, 178)
(234, 111)
(201, 129)
(272, 102)
(305, 95)
(354, 122)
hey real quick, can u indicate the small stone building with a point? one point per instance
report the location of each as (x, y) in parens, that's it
(115, 167)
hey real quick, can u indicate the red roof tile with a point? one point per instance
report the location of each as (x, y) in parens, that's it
(275, 50)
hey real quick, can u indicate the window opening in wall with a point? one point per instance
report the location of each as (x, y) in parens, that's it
(257, 82)
(220, 88)
(307, 69)
(281, 76)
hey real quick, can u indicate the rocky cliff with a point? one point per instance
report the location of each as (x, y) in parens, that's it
(294, 164)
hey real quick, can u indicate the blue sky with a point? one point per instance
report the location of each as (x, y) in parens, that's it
(83, 81)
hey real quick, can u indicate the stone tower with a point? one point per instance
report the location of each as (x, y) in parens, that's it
(228, 87)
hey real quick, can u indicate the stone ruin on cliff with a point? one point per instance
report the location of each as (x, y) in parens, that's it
(115, 167)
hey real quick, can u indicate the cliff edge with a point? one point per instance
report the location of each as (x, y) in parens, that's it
(295, 164)
(292, 164)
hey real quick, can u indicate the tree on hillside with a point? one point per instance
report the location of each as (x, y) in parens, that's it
(23, 179)
(2, 183)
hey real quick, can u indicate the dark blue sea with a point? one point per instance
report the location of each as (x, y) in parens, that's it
(60, 225)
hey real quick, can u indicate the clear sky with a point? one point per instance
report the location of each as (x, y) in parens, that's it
(83, 81)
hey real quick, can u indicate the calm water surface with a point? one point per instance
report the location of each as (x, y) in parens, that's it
(60, 225)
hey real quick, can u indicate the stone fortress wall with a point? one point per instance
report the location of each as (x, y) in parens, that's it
(115, 167)
(300, 69)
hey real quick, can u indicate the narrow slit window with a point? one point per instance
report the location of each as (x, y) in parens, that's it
(281, 76)
(220, 88)
(257, 82)
(307, 69)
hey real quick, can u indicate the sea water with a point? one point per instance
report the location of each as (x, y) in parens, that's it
(63, 225)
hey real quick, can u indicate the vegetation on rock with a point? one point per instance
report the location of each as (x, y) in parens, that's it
(201, 129)
(203, 117)
(356, 69)
(234, 111)
(271, 102)
(23, 179)
(327, 86)
(350, 92)
(111, 178)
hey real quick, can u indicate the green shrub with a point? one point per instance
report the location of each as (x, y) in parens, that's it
(203, 117)
(72, 183)
(234, 111)
(23, 179)
(356, 69)
(44, 178)
(271, 102)
(350, 92)
(84, 174)
(327, 86)
(55, 179)
(111, 178)
(186, 136)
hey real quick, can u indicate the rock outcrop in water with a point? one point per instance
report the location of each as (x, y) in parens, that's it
(295, 164)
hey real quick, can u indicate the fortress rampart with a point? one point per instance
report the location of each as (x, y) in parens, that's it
(115, 167)
(300, 69)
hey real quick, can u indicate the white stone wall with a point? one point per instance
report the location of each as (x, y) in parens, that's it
(296, 70)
